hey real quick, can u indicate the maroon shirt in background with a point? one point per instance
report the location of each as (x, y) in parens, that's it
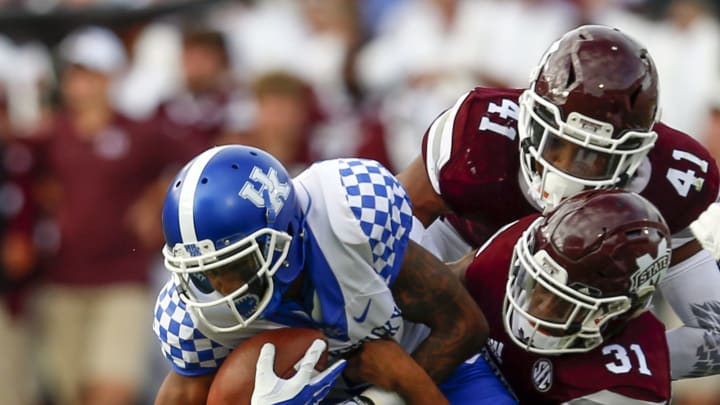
(18, 217)
(635, 363)
(196, 119)
(101, 177)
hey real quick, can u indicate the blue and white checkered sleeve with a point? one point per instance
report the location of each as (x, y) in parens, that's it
(190, 352)
(383, 208)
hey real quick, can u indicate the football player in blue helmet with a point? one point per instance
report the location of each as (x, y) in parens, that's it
(251, 249)
(228, 217)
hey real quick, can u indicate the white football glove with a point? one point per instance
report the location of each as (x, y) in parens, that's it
(707, 229)
(307, 386)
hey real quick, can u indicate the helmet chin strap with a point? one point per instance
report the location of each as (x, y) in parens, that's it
(555, 189)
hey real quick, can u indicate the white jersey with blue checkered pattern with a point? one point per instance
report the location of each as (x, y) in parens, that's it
(359, 220)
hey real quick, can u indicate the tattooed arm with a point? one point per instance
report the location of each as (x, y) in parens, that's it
(395, 376)
(428, 292)
(692, 288)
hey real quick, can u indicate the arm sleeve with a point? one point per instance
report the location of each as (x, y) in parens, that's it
(438, 145)
(692, 289)
(189, 351)
(419, 234)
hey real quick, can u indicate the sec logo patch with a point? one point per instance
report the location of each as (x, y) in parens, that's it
(542, 375)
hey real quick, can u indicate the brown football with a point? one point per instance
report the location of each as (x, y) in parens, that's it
(235, 380)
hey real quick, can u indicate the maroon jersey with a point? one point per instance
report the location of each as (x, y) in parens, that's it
(634, 364)
(197, 119)
(101, 178)
(473, 160)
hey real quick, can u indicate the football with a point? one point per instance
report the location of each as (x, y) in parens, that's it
(235, 379)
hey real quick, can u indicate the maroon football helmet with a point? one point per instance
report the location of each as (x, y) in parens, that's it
(586, 120)
(580, 273)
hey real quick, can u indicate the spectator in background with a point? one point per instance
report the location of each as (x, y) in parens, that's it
(313, 40)
(685, 43)
(427, 51)
(286, 112)
(25, 76)
(372, 12)
(17, 265)
(687, 49)
(206, 105)
(209, 103)
(309, 38)
(711, 138)
(154, 74)
(409, 84)
(91, 309)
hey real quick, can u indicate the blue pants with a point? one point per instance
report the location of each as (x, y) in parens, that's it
(474, 383)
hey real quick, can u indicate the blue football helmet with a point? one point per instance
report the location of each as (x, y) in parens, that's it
(232, 214)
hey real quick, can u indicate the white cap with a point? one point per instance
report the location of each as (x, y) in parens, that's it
(94, 48)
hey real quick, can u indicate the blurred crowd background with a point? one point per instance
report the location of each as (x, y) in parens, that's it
(102, 101)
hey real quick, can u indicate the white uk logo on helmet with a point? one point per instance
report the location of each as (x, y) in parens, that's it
(270, 192)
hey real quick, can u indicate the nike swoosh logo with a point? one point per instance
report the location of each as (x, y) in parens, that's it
(363, 316)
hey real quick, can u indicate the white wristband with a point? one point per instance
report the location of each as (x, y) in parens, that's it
(380, 396)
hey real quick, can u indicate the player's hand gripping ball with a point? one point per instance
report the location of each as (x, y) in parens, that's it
(235, 381)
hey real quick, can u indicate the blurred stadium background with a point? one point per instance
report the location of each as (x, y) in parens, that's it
(304, 79)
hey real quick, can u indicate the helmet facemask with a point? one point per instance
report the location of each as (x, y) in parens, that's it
(233, 229)
(249, 263)
(581, 272)
(595, 91)
(544, 315)
(561, 158)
